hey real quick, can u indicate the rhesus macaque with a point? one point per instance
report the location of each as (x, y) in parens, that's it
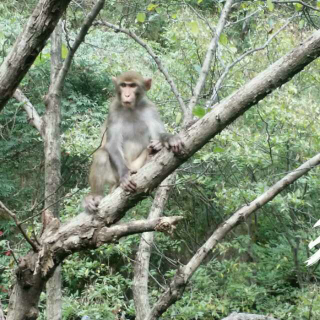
(132, 131)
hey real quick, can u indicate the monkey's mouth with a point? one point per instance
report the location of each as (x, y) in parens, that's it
(128, 104)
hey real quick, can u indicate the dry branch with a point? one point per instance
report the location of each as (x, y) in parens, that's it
(176, 287)
(209, 55)
(33, 117)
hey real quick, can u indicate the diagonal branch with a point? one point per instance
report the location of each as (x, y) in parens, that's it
(57, 85)
(28, 45)
(161, 67)
(33, 117)
(18, 224)
(176, 287)
(229, 67)
(209, 56)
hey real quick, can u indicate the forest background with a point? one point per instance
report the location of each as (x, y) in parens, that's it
(259, 267)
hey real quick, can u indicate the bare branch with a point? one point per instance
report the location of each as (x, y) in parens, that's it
(176, 287)
(115, 232)
(161, 67)
(57, 85)
(229, 67)
(18, 224)
(33, 117)
(298, 2)
(210, 52)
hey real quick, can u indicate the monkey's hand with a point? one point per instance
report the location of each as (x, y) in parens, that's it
(91, 203)
(126, 183)
(154, 146)
(174, 143)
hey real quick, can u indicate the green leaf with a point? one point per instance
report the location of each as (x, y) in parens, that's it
(194, 27)
(141, 17)
(199, 111)
(218, 150)
(64, 51)
(270, 5)
(298, 6)
(178, 117)
(318, 4)
(199, 1)
(174, 16)
(152, 6)
(223, 39)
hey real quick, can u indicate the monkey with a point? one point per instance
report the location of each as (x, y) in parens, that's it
(132, 132)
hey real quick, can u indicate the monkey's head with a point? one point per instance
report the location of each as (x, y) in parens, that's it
(130, 88)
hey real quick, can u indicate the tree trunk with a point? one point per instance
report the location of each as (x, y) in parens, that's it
(28, 45)
(53, 167)
(141, 265)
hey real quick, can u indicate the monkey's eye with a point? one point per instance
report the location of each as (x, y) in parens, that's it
(133, 85)
(123, 85)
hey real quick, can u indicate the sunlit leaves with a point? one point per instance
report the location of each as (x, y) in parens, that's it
(64, 51)
(198, 111)
(141, 17)
(223, 39)
(270, 5)
(152, 6)
(178, 117)
(194, 27)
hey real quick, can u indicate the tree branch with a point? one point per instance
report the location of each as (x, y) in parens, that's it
(33, 117)
(298, 2)
(28, 45)
(176, 287)
(141, 265)
(33, 245)
(210, 52)
(229, 67)
(57, 85)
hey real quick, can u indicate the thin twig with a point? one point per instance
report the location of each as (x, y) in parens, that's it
(209, 55)
(14, 217)
(229, 67)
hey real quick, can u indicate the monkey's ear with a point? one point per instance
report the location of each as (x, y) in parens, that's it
(115, 81)
(147, 84)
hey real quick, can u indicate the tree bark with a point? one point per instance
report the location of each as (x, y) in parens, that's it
(141, 265)
(1, 313)
(52, 152)
(247, 316)
(28, 45)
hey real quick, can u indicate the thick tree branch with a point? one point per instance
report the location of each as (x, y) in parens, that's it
(187, 114)
(114, 233)
(28, 45)
(176, 287)
(33, 117)
(210, 52)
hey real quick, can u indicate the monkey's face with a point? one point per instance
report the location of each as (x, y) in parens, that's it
(129, 94)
